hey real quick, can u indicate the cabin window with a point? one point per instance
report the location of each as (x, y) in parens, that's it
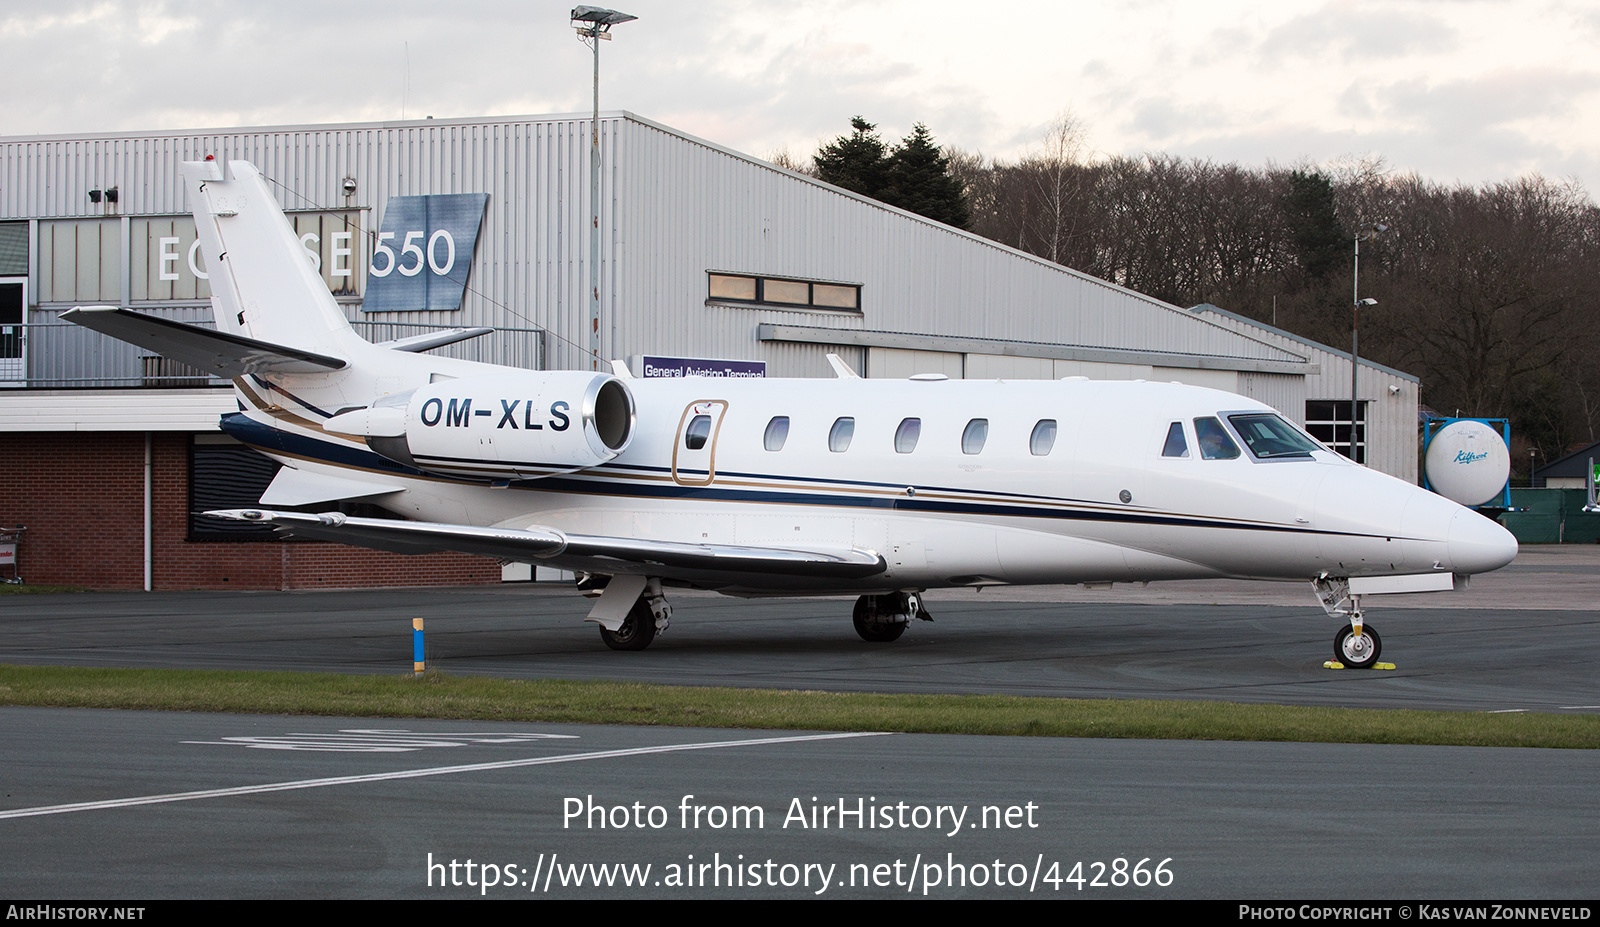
(1176, 446)
(1268, 436)
(977, 432)
(905, 437)
(777, 433)
(840, 434)
(1043, 438)
(1214, 441)
(698, 432)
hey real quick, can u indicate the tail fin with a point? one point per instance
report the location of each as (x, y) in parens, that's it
(262, 285)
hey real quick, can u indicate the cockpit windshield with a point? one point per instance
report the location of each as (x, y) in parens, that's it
(1268, 436)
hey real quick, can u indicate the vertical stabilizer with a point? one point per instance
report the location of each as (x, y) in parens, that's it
(263, 285)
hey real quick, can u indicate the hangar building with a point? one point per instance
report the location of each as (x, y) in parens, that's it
(707, 256)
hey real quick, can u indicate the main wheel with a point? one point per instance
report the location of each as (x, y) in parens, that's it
(872, 625)
(1357, 652)
(637, 630)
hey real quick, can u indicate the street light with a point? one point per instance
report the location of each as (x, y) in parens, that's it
(594, 23)
(1366, 233)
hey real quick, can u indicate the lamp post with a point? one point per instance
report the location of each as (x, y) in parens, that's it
(593, 24)
(1365, 234)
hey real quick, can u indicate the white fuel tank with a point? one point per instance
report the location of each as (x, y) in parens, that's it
(1467, 462)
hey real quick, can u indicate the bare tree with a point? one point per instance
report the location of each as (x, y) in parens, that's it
(1058, 181)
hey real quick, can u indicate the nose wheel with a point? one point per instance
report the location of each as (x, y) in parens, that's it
(1357, 651)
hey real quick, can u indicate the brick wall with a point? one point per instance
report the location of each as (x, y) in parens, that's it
(81, 495)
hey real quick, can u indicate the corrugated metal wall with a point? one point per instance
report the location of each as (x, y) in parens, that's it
(689, 206)
(675, 207)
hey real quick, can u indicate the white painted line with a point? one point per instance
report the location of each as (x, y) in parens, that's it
(414, 774)
(1508, 711)
(1578, 707)
(362, 740)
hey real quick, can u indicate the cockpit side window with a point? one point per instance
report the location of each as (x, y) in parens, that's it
(1214, 441)
(1176, 446)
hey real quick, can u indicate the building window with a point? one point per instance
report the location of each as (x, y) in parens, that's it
(1328, 420)
(13, 249)
(783, 292)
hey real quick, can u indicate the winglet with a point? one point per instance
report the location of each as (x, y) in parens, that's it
(841, 369)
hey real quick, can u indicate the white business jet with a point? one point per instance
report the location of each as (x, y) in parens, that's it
(875, 488)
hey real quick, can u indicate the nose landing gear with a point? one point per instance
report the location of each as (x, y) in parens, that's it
(1356, 645)
(1357, 649)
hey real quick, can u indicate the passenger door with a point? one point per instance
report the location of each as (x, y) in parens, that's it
(694, 453)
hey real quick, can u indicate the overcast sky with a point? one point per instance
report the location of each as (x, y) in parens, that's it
(1456, 90)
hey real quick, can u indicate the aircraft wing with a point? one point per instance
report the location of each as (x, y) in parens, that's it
(215, 352)
(571, 551)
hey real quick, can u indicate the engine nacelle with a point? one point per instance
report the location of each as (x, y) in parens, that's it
(514, 425)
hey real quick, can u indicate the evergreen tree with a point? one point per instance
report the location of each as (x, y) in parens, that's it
(920, 181)
(858, 161)
(1319, 239)
(915, 175)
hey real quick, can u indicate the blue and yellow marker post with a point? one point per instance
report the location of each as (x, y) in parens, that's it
(418, 653)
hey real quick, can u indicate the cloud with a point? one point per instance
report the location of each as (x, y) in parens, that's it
(1495, 99)
(1457, 87)
(1357, 33)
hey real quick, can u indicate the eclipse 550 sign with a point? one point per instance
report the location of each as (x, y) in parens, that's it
(423, 252)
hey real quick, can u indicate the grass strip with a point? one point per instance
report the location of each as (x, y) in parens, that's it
(35, 589)
(594, 702)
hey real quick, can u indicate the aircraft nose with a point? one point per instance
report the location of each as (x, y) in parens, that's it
(1478, 545)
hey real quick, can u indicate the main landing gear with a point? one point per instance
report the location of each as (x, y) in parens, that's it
(637, 630)
(880, 619)
(631, 610)
(1357, 644)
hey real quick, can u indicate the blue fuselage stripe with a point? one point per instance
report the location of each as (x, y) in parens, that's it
(269, 439)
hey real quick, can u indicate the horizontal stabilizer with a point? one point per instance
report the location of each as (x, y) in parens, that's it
(217, 353)
(571, 551)
(430, 340)
(299, 487)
